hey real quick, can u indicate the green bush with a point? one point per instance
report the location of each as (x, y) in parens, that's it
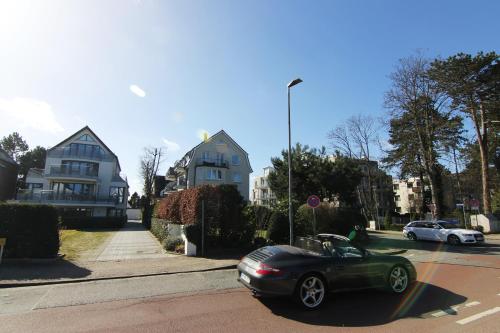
(84, 222)
(172, 243)
(32, 231)
(159, 228)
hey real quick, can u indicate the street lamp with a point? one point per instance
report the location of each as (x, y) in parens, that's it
(291, 84)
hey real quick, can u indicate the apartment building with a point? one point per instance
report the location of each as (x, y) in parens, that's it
(215, 161)
(8, 176)
(81, 177)
(262, 195)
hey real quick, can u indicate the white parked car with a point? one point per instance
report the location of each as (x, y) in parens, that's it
(441, 231)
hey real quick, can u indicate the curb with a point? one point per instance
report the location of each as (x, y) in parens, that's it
(46, 283)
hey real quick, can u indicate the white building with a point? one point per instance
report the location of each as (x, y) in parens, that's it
(261, 193)
(81, 177)
(408, 195)
(215, 161)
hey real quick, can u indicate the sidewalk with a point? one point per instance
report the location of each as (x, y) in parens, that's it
(133, 251)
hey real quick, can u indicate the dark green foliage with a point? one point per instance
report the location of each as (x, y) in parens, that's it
(279, 228)
(314, 173)
(14, 145)
(32, 231)
(84, 222)
(172, 243)
(258, 216)
(134, 201)
(329, 219)
(159, 228)
(34, 158)
(193, 235)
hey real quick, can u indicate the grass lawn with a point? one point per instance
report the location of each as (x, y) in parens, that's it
(83, 244)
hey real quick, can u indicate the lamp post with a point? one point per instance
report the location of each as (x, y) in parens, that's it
(290, 219)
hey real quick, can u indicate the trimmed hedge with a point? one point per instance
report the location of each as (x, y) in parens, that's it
(83, 222)
(32, 231)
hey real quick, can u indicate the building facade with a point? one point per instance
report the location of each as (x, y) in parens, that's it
(81, 177)
(215, 161)
(262, 195)
(8, 176)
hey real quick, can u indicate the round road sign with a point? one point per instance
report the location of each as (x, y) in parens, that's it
(313, 201)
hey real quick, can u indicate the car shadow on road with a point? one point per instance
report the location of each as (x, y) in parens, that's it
(369, 307)
(383, 243)
(17, 272)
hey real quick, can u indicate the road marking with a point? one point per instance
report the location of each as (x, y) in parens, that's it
(449, 311)
(478, 316)
(468, 305)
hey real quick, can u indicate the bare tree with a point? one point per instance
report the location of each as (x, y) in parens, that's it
(150, 163)
(354, 139)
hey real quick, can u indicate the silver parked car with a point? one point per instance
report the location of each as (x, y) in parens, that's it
(441, 231)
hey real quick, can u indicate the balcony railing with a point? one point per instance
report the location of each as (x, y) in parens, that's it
(63, 171)
(53, 197)
(216, 162)
(94, 156)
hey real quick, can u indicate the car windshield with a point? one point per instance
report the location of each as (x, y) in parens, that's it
(309, 244)
(446, 225)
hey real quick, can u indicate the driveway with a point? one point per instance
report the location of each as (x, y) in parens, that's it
(133, 241)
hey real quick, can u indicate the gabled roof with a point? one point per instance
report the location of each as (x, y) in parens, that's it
(192, 151)
(95, 135)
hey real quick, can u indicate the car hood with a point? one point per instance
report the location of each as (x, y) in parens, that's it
(464, 231)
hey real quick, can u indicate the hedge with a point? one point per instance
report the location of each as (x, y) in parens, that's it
(32, 231)
(83, 222)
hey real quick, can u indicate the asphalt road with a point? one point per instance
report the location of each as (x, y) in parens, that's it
(458, 291)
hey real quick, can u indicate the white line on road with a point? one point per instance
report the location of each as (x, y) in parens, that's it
(449, 311)
(468, 305)
(478, 316)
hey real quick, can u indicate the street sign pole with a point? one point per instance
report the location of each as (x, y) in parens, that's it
(314, 222)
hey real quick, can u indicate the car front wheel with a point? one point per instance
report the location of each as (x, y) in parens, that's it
(398, 279)
(453, 240)
(311, 292)
(412, 236)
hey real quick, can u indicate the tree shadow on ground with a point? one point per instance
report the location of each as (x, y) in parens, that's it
(369, 307)
(382, 243)
(11, 272)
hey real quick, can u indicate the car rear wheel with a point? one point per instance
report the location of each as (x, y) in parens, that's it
(412, 236)
(453, 240)
(398, 279)
(311, 292)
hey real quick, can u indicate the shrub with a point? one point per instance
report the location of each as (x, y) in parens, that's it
(193, 234)
(169, 208)
(159, 228)
(279, 228)
(83, 222)
(171, 243)
(32, 231)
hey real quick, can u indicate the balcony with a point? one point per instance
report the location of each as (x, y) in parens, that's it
(215, 162)
(50, 197)
(67, 172)
(65, 153)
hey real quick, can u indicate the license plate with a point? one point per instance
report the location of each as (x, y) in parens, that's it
(245, 278)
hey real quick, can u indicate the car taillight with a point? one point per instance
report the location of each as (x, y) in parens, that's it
(268, 270)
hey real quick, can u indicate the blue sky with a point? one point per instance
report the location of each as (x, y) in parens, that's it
(211, 65)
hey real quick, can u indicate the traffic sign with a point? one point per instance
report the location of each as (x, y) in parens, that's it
(313, 201)
(474, 204)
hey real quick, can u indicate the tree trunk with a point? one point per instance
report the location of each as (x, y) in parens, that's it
(483, 149)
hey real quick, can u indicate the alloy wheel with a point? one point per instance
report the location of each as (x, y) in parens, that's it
(398, 279)
(453, 240)
(312, 292)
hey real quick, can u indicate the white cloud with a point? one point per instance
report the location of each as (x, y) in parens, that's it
(171, 146)
(137, 90)
(28, 113)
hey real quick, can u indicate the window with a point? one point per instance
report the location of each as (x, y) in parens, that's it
(262, 182)
(113, 212)
(397, 198)
(214, 174)
(398, 209)
(237, 177)
(395, 187)
(236, 160)
(82, 149)
(79, 168)
(205, 156)
(76, 211)
(34, 186)
(86, 137)
(117, 193)
(409, 185)
(71, 191)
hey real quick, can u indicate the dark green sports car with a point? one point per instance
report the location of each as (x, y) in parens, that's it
(314, 267)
